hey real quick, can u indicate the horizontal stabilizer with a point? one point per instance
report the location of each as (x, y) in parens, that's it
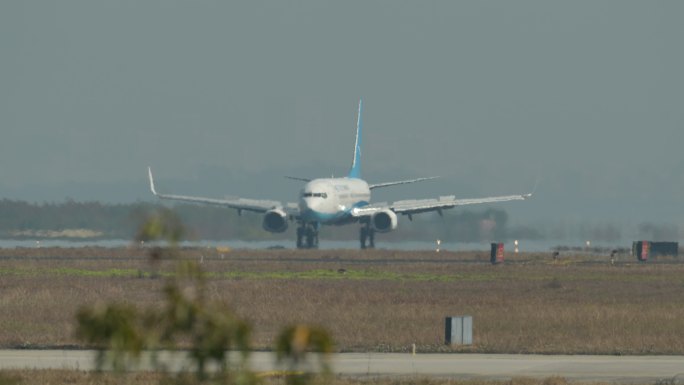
(298, 178)
(386, 184)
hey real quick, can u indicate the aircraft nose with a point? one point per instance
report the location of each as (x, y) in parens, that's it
(307, 207)
(306, 203)
(310, 204)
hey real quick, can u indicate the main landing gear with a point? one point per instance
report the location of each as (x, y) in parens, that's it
(366, 233)
(307, 236)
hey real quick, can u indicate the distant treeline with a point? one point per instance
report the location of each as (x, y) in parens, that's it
(72, 219)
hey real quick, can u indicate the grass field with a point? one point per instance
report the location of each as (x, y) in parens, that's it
(370, 301)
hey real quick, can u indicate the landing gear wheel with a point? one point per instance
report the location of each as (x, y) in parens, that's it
(367, 234)
(300, 237)
(307, 236)
(363, 235)
(371, 238)
(311, 237)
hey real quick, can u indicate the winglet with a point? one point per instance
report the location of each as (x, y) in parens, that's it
(149, 172)
(355, 171)
(534, 189)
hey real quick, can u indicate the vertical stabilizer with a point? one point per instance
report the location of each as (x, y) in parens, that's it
(355, 171)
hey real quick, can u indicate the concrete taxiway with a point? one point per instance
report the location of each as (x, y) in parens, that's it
(627, 369)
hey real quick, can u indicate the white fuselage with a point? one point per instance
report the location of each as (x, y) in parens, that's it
(330, 200)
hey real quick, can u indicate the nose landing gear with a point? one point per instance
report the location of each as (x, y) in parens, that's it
(307, 236)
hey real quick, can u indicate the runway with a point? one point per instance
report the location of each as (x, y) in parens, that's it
(625, 369)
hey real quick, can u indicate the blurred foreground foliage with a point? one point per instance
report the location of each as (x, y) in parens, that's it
(216, 339)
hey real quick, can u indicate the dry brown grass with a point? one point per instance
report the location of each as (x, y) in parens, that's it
(382, 301)
(75, 377)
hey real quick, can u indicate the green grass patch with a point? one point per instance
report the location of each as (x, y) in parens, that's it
(322, 274)
(623, 275)
(71, 272)
(327, 274)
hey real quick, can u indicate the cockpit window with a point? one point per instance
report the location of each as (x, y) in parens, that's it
(316, 195)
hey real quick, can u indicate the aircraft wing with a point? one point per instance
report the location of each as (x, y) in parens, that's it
(255, 205)
(416, 206)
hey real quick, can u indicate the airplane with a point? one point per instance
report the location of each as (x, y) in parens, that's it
(338, 201)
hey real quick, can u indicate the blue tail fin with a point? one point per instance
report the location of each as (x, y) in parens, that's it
(355, 171)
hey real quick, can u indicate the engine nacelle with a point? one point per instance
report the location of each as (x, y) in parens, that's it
(275, 221)
(384, 221)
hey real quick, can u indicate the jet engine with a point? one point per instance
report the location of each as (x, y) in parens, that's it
(384, 221)
(275, 221)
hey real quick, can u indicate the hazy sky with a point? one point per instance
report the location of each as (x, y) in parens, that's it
(224, 97)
